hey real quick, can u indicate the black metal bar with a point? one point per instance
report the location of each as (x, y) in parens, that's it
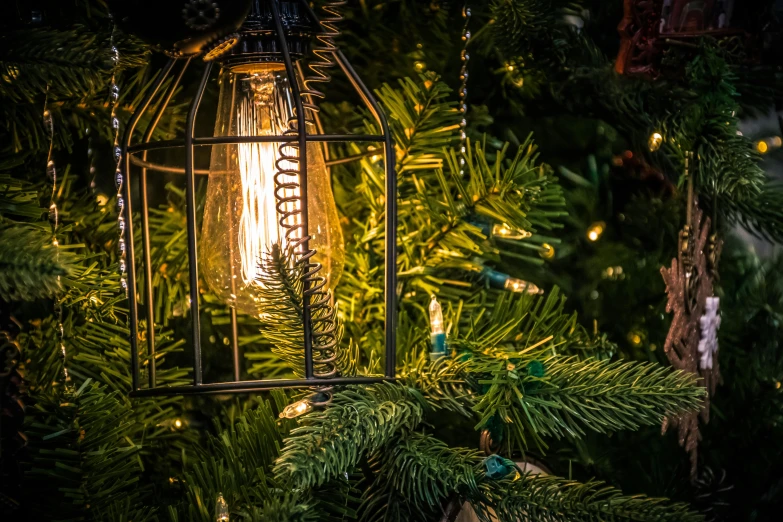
(251, 386)
(233, 312)
(302, 132)
(207, 172)
(390, 286)
(149, 165)
(145, 228)
(223, 140)
(133, 312)
(190, 195)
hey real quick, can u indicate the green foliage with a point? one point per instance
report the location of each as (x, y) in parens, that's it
(697, 112)
(514, 356)
(35, 271)
(83, 463)
(236, 464)
(413, 477)
(359, 421)
(539, 497)
(573, 395)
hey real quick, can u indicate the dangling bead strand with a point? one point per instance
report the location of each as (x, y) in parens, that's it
(463, 91)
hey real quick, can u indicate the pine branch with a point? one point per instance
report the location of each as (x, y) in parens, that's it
(541, 497)
(442, 382)
(423, 471)
(332, 441)
(81, 457)
(81, 67)
(34, 271)
(574, 395)
(414, 476)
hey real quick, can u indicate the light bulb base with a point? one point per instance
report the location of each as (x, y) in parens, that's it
(438, 346)
(496, 279)
(258, 39)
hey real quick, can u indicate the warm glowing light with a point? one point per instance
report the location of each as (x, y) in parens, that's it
(436, 316)
(249, 208)
(221, 509)
(177, 423)
(777, 141)
(507, 232)
(777, 385)
(655, 141)
(520, 286)
(595, 230)
(635, 338)
(296, 409)
(547, 251)
(419, 66)
(762, 146)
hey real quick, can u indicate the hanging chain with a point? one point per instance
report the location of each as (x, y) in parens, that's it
(119, 180)
(54, 221)
(463, 91)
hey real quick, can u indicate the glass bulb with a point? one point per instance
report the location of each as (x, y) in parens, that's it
(506, 232)
(221, 509)
(296, 409)
(520, 286)
(436, 316)
(241, 222)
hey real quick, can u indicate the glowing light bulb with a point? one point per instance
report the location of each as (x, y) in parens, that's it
(177, 423)
(655, 141)
(762, 146)
(520, 286)
(506, 232)
(296, 409)
(241, 219)
(221, 509)
(595, 230)
(436, 316)
(547, 251)
(438, 336)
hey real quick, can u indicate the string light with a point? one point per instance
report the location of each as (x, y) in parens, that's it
(655, 141)
(296, 409)
(768, 144)
(635, 338)
(438, 334)
(547, 251)
(503, 281)
(520, 286)
(54, 221)
(178, 423)
(595, 230)
(507, 232)
(221, 509)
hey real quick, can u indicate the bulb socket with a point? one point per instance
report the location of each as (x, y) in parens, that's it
(258, 38)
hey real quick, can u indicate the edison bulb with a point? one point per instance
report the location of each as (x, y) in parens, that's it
(241, 218)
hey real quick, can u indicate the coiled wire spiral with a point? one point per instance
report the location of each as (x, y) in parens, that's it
(289, 208)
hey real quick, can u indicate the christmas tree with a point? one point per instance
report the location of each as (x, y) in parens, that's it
(541, 188)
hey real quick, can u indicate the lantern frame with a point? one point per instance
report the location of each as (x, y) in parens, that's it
(189, 142)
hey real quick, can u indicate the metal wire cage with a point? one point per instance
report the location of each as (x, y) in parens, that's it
(286, 45)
